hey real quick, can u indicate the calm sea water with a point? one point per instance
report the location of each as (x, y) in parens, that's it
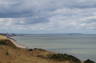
(81, 46)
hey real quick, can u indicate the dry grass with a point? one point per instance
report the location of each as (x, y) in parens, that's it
(9, 54)
(3, 37)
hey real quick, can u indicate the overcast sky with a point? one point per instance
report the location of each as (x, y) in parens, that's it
(48, 16)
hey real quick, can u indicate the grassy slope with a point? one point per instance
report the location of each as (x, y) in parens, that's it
(3, 37)
(11, 54)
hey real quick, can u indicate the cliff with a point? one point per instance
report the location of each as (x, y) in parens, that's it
(11, 53)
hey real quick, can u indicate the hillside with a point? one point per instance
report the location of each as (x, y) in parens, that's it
(10, 53)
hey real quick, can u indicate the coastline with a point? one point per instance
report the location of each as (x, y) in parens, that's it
(42, 55)
(16, 44)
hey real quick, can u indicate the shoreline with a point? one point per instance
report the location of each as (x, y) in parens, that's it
(81, 57)
(38, 52)
(16, 44)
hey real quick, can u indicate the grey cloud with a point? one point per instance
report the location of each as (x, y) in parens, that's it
(15, 14)
(11, 9)
(91, 21)
(21, 8)
(41, 11)
(30, 21)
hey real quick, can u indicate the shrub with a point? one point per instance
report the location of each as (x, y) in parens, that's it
(30, 49)
(64, 57)
(89, 61)
(7, 53)
(7, 42)
(2, 42)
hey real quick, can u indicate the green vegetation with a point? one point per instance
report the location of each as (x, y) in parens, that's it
(2, 42)
(7, 42)
(89, 61)
(63, 57)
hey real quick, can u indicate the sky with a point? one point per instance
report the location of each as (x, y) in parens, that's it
(48, 16)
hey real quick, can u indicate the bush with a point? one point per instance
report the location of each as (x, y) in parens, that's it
(30, 49)
(7, 53)
(2, 42)
(7, 42)
(64, 57)
(89, 61)
(39, 49)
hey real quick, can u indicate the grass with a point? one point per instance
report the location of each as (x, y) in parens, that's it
(10, 54)
(3, 37)
(3, 40)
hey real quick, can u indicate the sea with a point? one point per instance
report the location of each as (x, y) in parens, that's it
(82, 46)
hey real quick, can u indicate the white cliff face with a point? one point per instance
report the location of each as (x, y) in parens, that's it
(17, 45)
